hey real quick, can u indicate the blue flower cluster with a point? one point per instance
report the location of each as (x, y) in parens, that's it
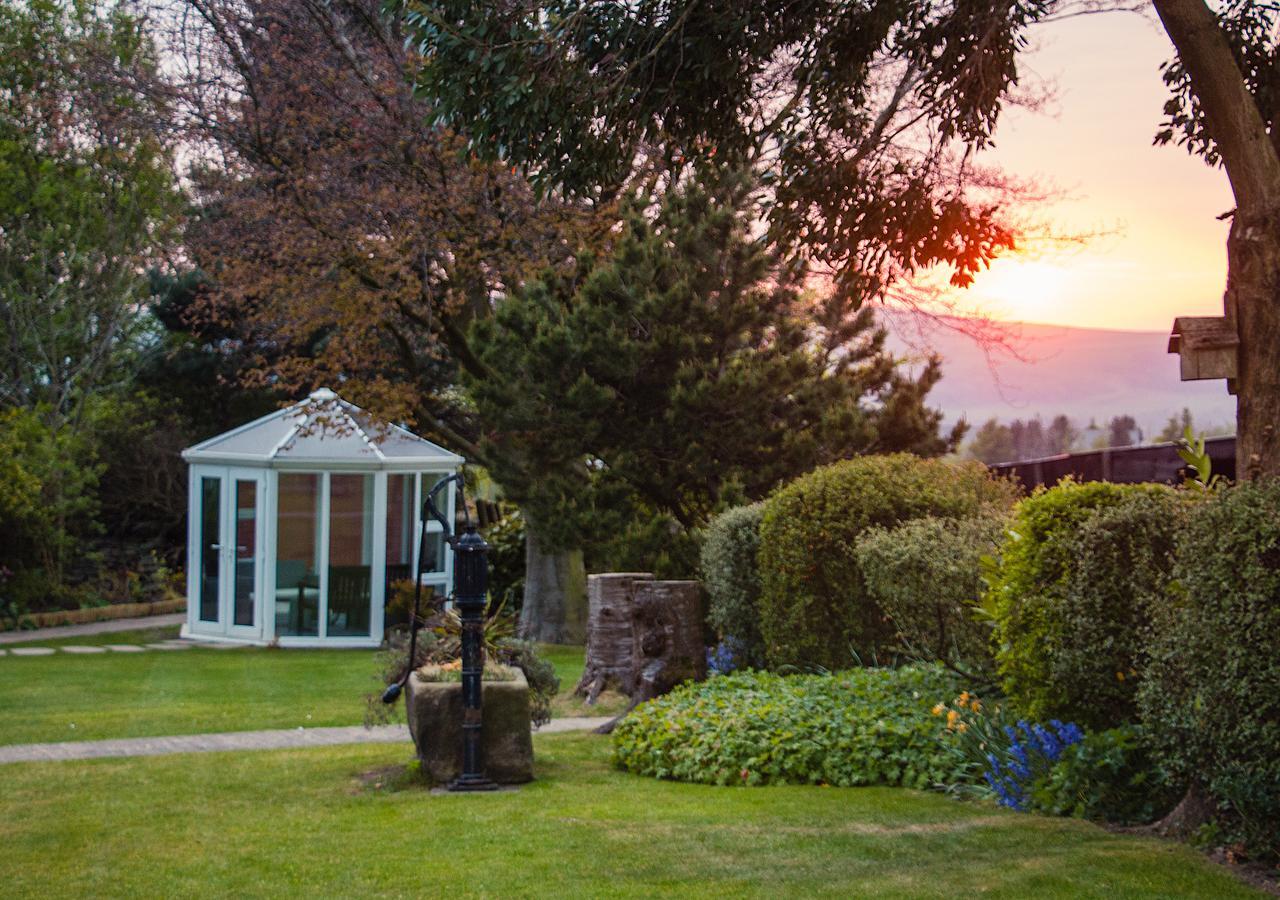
(1032, 750)
(725, 656)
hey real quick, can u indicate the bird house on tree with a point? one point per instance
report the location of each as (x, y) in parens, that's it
(1207, 348)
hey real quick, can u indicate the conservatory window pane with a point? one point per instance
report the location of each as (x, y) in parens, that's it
(350, 554)
(297, 555)
(210, 547)
(399, 529)
(434, 559)
(246, 550)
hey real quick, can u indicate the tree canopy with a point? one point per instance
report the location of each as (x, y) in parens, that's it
(87, 198)
(861, 117)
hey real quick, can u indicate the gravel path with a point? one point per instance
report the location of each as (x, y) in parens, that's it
(286, 739)
(108, 627)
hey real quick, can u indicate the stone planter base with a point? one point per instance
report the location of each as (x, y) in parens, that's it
(434, 710)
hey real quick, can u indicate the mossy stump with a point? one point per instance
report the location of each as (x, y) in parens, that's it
(434, 710)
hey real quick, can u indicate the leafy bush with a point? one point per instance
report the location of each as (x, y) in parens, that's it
(927, 576)
(1122, 560)
(506, 560)
(814, 608)
(48, 480)
(1211, 696)
(1026, 586)
(732, 578)
(544, 684)
(865, 726)
(1109, 776)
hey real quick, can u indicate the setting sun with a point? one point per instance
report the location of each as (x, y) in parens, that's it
(1022, 289)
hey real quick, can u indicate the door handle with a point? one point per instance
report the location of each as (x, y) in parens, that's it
(215, 546)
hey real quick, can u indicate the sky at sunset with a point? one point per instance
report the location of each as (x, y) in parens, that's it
(1162, 253)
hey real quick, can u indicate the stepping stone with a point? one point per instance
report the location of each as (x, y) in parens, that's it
(81, 648)
(169, 646)
(3, 652)
(32, 651)
(125, 648)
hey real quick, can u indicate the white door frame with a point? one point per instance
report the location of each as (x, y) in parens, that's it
(227, 551)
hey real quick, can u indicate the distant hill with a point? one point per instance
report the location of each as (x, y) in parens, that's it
(1086, 373)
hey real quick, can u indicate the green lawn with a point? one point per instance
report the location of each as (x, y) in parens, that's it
(79, 698)
(306, 823)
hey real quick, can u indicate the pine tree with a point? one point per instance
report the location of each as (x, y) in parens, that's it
(682, 372)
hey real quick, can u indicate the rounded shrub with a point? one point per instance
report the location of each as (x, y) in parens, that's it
(926, 575)
(814, 609)
(863, 726)
(1037, 561)
(1211, 696)
(730, 574)
(1122, 561)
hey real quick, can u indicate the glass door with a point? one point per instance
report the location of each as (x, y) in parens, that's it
(244, 554)
(226, 553)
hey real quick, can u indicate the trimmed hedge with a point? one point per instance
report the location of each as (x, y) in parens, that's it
(926, 575)
(865, 726)
(1037, 562)
(1122, 564)
(732, 579)
(814, 609)
(1211, 696)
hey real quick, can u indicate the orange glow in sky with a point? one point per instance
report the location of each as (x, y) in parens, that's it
(1162, 250)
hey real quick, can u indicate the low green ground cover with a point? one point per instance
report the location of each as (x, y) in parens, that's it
(858, 727)
(67, 697)
(343, 822)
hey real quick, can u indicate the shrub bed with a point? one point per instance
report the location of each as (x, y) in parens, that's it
(732, 578)
(926, 576)
(814, 609)
(1122, 564)
(1211, 697)
(865, 726)
(1025, 596)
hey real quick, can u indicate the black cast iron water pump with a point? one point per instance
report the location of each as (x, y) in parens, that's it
(470, 593)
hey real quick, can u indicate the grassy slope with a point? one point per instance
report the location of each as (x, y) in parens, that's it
(161, 692)
(303, 823)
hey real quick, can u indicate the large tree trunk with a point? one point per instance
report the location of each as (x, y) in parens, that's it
(1251, 157)
(1253, 301)
(555, 594)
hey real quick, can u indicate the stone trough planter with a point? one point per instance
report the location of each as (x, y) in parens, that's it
(434, 709)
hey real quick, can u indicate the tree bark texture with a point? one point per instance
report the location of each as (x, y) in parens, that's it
(610, 634)
(1249, 154)
(555, 596)
(1253, 301)
(667, 648)
(644, 636)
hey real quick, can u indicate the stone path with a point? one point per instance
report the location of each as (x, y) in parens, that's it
(113, 625)
(287, 739)
(84, 649)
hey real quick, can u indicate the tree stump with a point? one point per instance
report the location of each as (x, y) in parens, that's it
(667, 647)
(610, 634)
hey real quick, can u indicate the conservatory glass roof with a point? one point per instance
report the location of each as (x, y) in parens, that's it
(322, 430)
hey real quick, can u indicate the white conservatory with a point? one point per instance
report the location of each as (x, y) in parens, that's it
(299, 522)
